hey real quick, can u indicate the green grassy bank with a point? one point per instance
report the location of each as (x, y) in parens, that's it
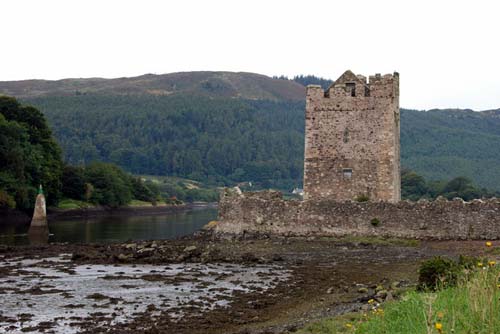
(472, 306)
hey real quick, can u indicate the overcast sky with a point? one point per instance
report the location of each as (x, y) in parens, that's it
(446, 51)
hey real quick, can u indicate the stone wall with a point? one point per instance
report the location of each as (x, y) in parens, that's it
(352, 139)
(267, 212)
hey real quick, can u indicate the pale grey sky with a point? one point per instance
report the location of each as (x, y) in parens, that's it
(446, 51)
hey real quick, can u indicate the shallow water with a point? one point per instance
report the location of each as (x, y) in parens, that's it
(113, 228)
(54, 291)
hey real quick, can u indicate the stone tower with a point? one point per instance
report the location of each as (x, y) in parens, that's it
(352, 139)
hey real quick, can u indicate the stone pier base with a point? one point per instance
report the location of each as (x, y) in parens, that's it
(40, 214)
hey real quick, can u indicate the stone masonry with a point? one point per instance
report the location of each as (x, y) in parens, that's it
(267, 212)
(40, 213)
(352, 139)
(352, 149)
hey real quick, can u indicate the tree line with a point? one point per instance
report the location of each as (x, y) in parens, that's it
(415, 187)
(29, 157)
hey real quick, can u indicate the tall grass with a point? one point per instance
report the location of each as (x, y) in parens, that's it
(473, 306)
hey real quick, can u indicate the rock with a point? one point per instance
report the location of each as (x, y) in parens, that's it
(131, 246)
(389, 297)
(211, 225)
(395, 285)
(190, 249)
(381, 294)
(277, 257)
(249, 257)
(363, 290)
(379, 288)
(329, 291)
(154, 245)
(123, 257)
(145, 250)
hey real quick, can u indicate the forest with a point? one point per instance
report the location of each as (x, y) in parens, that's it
(227, 140)
(219, 142)
(30, 156)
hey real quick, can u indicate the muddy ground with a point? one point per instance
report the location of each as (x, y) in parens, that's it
(327, 276)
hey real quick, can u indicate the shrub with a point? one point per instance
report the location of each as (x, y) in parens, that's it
(362, 198)
(375, 222)
(6, 200)
(440, 272)
(436, 273)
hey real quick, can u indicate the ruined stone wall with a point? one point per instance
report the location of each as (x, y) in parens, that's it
(352, 139)
(267, 212)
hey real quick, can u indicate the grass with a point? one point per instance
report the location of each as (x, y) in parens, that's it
(472, 306)
(67, 204)
(136, 202)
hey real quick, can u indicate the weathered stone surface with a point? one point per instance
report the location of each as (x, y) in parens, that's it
(352, 139)
(40, 213)
(264, 212)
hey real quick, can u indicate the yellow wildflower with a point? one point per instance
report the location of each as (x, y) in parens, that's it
(439, 327)
(488, 243)
(348, 325)
(479, 264)
(371, 301)
(491, 263)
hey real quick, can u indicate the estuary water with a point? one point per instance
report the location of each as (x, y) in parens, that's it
(114, 228)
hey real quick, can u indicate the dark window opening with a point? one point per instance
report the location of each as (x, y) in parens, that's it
(346, 135)
(347, 173)
(367, 91)
(351, 87)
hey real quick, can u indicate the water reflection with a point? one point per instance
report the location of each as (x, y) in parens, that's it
(114, 228)
(38, 235)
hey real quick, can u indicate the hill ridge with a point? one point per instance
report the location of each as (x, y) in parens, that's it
(205, 83)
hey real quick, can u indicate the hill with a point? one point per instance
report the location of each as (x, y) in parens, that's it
(220, 138)
(211, 84)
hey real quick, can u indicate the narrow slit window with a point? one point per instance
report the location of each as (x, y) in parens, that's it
(347, 173)
(351, 87)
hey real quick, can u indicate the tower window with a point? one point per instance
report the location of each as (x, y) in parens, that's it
(351, 87)
(347, 173)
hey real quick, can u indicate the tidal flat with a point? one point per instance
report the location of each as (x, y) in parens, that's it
(203, 283)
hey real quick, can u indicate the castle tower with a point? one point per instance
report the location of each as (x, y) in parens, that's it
(352, 139)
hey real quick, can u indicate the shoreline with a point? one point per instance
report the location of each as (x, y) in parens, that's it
(326, 277)
(16, 216)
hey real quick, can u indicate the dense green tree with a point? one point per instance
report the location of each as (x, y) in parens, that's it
(73, 182)
(29, 156)
(414, 187)
(111, 185)
(143, 191)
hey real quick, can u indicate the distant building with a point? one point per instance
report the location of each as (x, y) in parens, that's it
(352, 139)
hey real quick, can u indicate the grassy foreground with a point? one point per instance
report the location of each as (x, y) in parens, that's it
(472, 306)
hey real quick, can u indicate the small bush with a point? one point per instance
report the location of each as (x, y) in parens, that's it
(375, 222)
(439, 272)
(362, 198)
(6, 200)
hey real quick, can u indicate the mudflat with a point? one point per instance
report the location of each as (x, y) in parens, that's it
(204, 283)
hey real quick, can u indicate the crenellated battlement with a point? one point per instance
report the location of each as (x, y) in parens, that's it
(351, 85)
